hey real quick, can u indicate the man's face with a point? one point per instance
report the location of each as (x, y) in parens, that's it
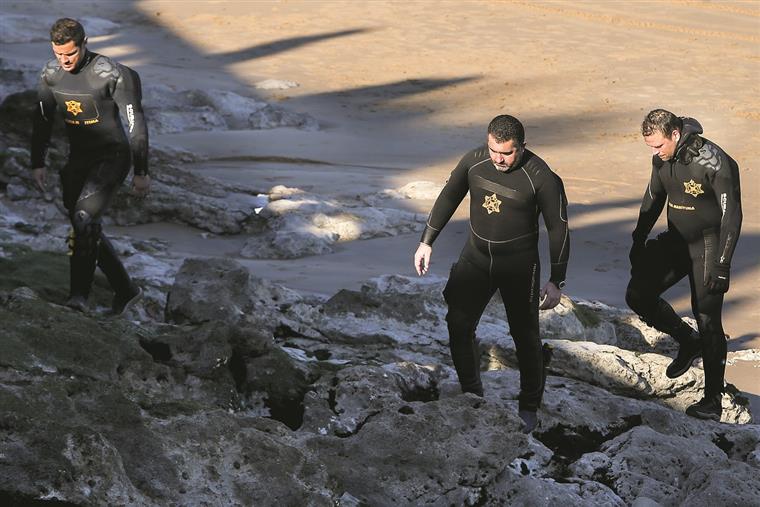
(68, 55)
(504, 155)
(661, 145)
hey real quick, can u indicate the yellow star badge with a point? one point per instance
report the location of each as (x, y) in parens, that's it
(693, 188)
(73, 107)
(492, 204)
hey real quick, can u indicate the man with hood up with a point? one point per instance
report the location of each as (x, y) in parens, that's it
(700, 184)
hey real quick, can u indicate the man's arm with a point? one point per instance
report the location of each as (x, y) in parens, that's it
(725, 183)
(128, 97)
(651, 204)
(552, 202)
(445, 205)
(42, 127)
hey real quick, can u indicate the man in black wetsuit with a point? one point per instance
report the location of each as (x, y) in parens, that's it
(90, 91)
(700, 183)
(509, 187)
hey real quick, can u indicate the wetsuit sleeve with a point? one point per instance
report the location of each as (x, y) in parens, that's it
(128, 97)
(447, 202)
(42, 122)
(552, 202)
(651, 205)
(725, 183)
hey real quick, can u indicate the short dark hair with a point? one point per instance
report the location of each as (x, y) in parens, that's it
(65, 30)
(505, 127)
(662, 121)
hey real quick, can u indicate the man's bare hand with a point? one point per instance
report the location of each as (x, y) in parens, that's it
(550, 296)
(141, 185)
(40, 177)
(422, 258)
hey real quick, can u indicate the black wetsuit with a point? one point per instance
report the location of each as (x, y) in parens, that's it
(501, 253)
(701, 187)
(91, 100)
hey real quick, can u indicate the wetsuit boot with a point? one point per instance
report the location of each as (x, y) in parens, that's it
(529, 416)
(126, 293)
(82, 271)
(689, 349)
(714, 363)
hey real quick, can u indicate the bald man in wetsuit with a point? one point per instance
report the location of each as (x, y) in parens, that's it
(509, 187)
(700, 184)
(92, 93)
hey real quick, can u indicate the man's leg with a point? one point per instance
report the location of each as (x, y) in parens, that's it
(125, 291)
(520, 293)
(708, 309)
(467, 293)
(100, 181)
(665, 262)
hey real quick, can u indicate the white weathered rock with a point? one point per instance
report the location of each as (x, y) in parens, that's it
(275, 84)
(170, 110)
(301, 224)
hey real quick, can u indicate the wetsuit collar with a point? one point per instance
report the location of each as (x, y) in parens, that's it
(690, 128)
(88, 55)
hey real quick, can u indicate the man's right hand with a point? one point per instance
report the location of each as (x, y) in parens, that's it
(40, 177)
(422, 258)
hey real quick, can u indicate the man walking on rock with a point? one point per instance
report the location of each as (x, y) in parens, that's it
(91, 92)
(509, 187)
(700, 184)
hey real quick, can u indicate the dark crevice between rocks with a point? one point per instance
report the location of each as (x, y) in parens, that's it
(287, 411)
(160, 352)
(332, 396)
(570, 443)
(723, 443)
(10, 498)
(419, 393)
(239, 372)
(283, 331)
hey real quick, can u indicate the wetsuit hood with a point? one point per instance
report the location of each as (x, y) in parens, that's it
(690, 142)
(691, 127)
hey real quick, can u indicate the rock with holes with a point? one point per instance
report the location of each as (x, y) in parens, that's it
(447, 451)
(236, 459)
(343, 402)
(676, 470)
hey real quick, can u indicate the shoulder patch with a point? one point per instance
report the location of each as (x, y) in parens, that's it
(105, 68)
(50, 69)
(709, 157)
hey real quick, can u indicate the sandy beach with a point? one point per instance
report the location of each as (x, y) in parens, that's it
(402, 89)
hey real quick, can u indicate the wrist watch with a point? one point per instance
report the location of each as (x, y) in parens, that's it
(560, 285)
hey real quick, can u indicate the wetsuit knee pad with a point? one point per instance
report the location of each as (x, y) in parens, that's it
(637, 302)
(86, 233)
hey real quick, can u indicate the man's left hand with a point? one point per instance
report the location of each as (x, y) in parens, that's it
(550, 295)
(141, 185)
(717, 279)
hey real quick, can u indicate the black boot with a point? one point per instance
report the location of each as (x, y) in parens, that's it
(82, 271)
(689, 349)
(706, 408)
(126, 293)
(530, 418)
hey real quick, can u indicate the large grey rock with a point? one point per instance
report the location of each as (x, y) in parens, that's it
(223, 290)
